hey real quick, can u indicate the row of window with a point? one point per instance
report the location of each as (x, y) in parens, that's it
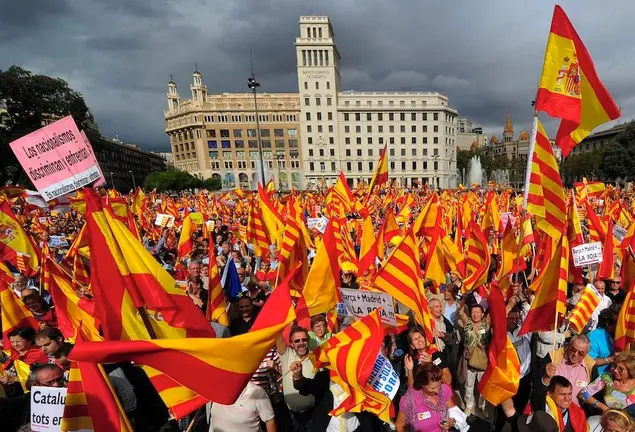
(266, 143)
(252, 133)
(402, 129)
(317, 85)
(435, 152)
(254, 154)
(318, 101)
(391, 140)
(215, 164)
(391, 116)
(360, 166)
(315, 58)
(249, 118)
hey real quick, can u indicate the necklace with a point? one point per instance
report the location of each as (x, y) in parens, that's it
(435, 403)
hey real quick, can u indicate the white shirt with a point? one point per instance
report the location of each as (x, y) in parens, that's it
(523, 349)
(294, 400)
(346, 422)
(245, 414)
(605, 303)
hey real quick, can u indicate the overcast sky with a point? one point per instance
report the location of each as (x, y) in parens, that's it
(485, 55)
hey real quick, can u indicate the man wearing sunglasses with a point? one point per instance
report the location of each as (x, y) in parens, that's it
(571, 362)
(300, 407)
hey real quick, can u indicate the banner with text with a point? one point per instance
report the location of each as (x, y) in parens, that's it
(586, 254)
(56, 158)
(47, 408)
(361, 303)
(383, 378)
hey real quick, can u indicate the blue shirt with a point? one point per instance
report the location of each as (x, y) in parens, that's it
(601, 346)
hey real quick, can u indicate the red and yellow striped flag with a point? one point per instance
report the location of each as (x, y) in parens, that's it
(201, 363)
(570, 88)
(16, 246)
(256, 232)
(625, 329)
(293, 252)
(380, 176)
(217, 303)
(351, 355)
(478, 259)
(14, 313)
(546, 198)
(583, 309)
(551, 289)
(400, 277)
(502, 376)
(368, 250)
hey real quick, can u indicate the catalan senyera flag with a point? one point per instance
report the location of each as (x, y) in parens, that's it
(125, 277)
(502, 376)
(138, 202)
(186, 244)
(584, 308)
(321, 289)
(201, 363)
(570, 88)
(400, 277)
(546, 197)
(91, 401)
(73, 312)
(273, 222)
(217, 302)
(478, 259)
(14, 313)
(380, 176)
(292, 252)
(588, 189)
(16, 246)
(625, 328)
(510, 250)
(351, 355)
(368, 250)
(551, 289)
(256, 232)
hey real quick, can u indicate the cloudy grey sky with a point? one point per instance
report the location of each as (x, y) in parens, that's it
(486, 55)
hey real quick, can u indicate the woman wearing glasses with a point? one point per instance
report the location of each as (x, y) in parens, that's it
(617, 388)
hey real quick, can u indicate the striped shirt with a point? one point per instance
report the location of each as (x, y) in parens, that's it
(266, 378)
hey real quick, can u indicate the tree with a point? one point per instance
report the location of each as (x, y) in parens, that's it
(616, 161)
(212, 183)
(32, 101)
(171, 180)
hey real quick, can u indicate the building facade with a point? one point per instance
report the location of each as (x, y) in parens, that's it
(509, 146)
(312, 135)
(469, 137)
(598, 139)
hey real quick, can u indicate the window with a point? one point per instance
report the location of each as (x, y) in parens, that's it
(345, 116)
(332, 152)
(414, 165)
(392, 152)
(435, 128)
(381, 140)
(306, 85)
(425, 116)
(358, 116)
(238, 133)
(329, 102)
(347, 129)
(318, 102)
(308, 116)
(317, 85)
(435, 152)
(425, 165)
(212, 144)
(322, 166)
(392, 166)
(332, 166)
(435, 116)
(358, 140)
(210, 134)
(319, 116)
(425, 128)
(369, 117)
(329, 116)
(403, 140)
(307, 101)
(435, 140)
(320, 128)
(391, 129)
(348, 152)
(310, 152)
(213, 155)
(321, 152)
(240, 155)
(414, 151)
(308, 128)
(331, 140)
(310, 140)
(392, 140)
(349, 166)
(252, 143)
(229, 165)
(279, 143)
(330, 128)
(369, 129)
(226, 144)
(347, 140)
(402, 152)
(413, 129)
(266, 143)
(265, 133)
(380, 129)
(414, 140)
(328, 84)
(239, 143)
(370, 152)
(292, 132)
(403, 166)
(425, 152)
(402, 116)
(413, 116)
(402, 129)
(359, 166)
(224, 133)
(370, 166)
(391, 116)
(311, 166)
(358, 129)
(425, 140)
(436, 165)
(359, 152)
(370, 140)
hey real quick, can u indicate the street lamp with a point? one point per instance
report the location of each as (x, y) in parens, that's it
(112, 180)
(134, 184)
(253, 85)
(279, 157)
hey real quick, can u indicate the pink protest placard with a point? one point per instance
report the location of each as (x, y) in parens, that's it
(101, 180)
(56, 158)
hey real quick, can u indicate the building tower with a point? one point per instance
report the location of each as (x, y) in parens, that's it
(508, 133)
(199, 91)
(318, 64)
(173, 96)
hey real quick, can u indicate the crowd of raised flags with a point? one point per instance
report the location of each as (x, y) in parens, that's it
(152, 283)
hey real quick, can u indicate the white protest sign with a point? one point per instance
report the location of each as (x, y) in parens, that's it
(383, 378)
(164, 220)
(58, 241)
(588, 253)
(47, 408)
(619, 233)
(361, 303)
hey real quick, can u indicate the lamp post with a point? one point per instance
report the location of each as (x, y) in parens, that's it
(112, 180)
(435, 159)
(134, 184)
(253, 85)
(279, 157)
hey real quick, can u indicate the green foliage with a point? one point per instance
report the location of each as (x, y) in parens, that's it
(32, 100)
(175, 180)
(588, 165)
(616, 161)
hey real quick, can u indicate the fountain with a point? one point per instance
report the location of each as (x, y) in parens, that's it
(475, 171)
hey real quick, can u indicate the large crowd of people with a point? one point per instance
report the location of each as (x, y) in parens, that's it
(569, 380)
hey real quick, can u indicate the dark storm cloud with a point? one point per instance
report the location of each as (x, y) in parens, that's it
(486, 56)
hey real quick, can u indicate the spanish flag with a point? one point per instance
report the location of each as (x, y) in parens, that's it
(186, 244)
(502, 376)
(351, 355)
(13, 313)
(200, 364)
(570, 88)
(381, 172)
(16, 246)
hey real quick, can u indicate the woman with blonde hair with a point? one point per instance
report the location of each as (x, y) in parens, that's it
(614, 421)
(617, 387)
